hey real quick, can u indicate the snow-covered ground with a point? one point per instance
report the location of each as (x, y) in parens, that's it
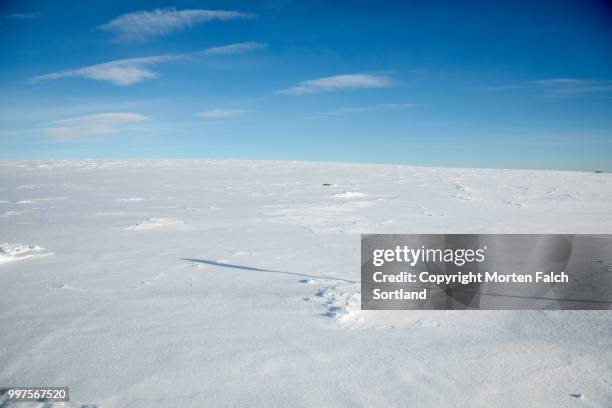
(236, 283)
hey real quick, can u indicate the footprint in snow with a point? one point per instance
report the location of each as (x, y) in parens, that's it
(516, 204)
(462, 197)
(432, 214)
(427, 323)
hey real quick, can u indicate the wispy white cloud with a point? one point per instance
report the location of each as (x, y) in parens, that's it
(380, 106)
(21, 16)
(232, 49)
(119, 72)
(133, 70)
(142, 25)
(92, 125)
(223, 113)
(574, 85)
(339, 82)
(560, 86)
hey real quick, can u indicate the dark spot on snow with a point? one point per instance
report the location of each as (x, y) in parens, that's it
(332, 311)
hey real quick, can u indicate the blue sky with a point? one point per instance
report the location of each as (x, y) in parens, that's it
(470, 84)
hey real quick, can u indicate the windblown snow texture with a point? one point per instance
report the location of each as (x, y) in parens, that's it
(236, 283)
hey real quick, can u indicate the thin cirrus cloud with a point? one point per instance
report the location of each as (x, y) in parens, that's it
(238, 48)
(560, 86)
(130, 71)
(143, 25)
(20, 16)
(223, 113)
(93, 125)
(379, 107)
(338, 82)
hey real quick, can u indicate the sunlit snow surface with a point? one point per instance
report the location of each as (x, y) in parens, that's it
(236, 283)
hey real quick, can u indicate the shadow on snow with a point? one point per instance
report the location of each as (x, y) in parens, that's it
(251, 268)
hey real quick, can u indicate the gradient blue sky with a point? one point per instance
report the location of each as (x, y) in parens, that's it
(470, 84)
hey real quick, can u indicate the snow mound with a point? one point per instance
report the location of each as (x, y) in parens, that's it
(350, 194)
(15, 252)
(6, 214)
(129, 199)
(155, 223)
(342, 305)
